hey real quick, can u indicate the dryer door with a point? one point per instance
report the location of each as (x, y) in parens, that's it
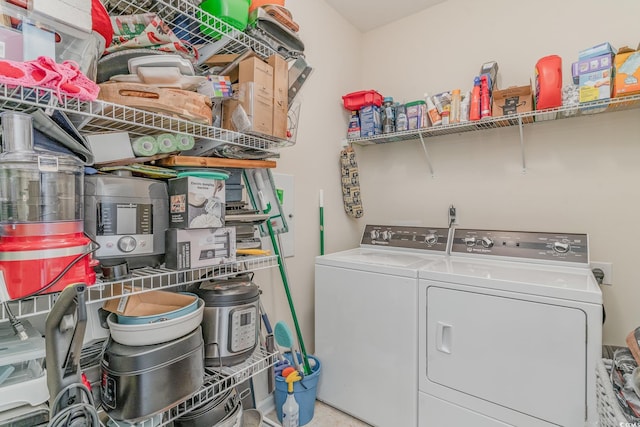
(525, 355)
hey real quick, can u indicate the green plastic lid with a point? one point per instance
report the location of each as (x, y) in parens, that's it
(204, 174)
(413, 103)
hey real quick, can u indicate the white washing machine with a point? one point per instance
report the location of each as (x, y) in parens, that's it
(366, 323)
(510, 330)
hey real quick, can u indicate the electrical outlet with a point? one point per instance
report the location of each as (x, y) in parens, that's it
(607, 268)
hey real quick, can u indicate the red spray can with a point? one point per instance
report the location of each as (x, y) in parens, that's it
(485, 98)
(474, 104)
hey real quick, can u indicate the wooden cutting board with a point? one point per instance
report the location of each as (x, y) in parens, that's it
(177, 102)
(215, 162)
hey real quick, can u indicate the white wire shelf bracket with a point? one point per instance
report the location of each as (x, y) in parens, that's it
(141, 280)
(207, 33)
(100, 116)
(531, 117)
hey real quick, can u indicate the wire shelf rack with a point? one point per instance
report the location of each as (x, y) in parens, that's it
(141, 280)
(570, 111)
(205, 32)
(100, 116)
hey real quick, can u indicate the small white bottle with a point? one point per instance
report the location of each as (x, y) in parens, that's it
(290, 409)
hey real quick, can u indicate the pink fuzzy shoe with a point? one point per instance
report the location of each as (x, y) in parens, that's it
(72, 81)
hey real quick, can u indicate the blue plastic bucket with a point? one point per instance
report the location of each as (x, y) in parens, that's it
(304, 391)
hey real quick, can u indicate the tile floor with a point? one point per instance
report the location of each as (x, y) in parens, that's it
(325, 416)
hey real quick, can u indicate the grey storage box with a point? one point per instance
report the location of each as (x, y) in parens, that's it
(196, 202)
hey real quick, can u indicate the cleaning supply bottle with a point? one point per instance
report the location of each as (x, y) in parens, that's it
(456, 99)
(474, 108)
(290, 409)
(432, 111)
(402, 122)
(485, 98)
(549, 82)
(388, 115)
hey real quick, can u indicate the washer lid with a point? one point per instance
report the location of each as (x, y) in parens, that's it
(572, 283)
(399, 263)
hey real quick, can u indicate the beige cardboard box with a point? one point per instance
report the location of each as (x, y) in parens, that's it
(257, 71)
(147, 303)
(280, 95)
(513, 100)
(626, 71)
(251, 110)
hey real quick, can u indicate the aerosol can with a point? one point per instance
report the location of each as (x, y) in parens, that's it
(290, 409)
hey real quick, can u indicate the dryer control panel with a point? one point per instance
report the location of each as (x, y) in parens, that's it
(407, 237)
(521, 244)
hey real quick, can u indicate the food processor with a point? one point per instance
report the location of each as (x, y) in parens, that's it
(43, 247)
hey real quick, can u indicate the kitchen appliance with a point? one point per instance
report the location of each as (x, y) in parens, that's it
(510, 331)
(42, 245)
(201, 247)
(230, 323)
(162, 375)
(371, 291)
(23, 379)
(128, 217)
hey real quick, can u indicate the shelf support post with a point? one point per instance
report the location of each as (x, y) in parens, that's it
(426, 153)
(524, 162)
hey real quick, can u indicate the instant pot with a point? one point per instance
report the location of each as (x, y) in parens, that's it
(230, 323)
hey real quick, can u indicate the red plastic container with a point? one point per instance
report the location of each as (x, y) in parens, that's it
(549, 82)
(356, 100)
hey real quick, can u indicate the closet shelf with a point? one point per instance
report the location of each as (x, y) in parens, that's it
(595, 107)
(100, 116)
(141, 280)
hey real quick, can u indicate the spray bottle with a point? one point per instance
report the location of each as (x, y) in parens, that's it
(474, 111)
(290, 409)
(485, 98)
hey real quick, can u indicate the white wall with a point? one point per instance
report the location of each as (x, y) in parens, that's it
(582, 173)
(332, 48)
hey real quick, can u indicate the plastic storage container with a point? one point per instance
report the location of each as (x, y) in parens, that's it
(356, 100)
(232, 12)
(304, 392)
(388, 115)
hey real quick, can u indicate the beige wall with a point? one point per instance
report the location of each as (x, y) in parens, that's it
(581, 175)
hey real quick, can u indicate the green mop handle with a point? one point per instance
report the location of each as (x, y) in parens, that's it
(321, 222)
(285, 282)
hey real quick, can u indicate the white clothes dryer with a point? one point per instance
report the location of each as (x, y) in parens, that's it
(510, 329)
(366, 323)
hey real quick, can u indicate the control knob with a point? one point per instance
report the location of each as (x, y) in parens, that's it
(469, 241)
(431, 239)
(487, 242)
(127, 244)
(561, 247)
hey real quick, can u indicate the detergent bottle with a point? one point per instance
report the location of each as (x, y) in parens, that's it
(549, 82)
(474, 109)
(485, 97)
(290, 409)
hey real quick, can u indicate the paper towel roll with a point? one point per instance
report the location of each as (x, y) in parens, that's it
(185, 142)
(167, 143)
(145, 146)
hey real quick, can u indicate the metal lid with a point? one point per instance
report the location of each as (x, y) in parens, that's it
(217, 293)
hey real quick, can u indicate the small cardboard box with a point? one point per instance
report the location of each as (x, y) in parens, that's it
(147, 303)
(597, 50)
(513, 100)
(250, 110)
(199, 248)
(259, 72)
(626, 72)
(280, 95)
(370, 123)
(196, 202)
(594, 75)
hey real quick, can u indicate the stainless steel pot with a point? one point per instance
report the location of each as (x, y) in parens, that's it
(216, 410)
(231, 320)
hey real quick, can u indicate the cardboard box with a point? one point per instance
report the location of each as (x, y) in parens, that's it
(513, 100)
(259, 72)
(597, 50)
(250, 110)
(280, 95)
(199, 248)
(147, 303)
(626, 72)
(196, 202)
(594, 76)
(370, 123)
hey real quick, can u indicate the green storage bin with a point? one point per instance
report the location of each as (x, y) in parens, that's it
(233, 12)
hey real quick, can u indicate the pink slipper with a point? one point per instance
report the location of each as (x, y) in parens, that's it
(72, 82)
(28, 74)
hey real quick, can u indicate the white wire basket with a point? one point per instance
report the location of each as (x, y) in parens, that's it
(609, 411)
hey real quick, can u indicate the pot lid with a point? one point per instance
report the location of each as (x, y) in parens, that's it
(225, 292)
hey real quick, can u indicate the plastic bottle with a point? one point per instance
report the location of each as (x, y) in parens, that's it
(474, 106)
(432, 111)
(464, 107)
(454, 115)
(354, 126)
(388, 115)
(290, 408)
(549, 82)
(402, 121)
(485, 99)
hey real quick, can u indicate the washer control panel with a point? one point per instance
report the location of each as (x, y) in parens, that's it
(521, 244)
(396, 236)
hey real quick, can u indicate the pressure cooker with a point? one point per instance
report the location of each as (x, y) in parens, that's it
(230, 323)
